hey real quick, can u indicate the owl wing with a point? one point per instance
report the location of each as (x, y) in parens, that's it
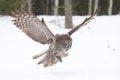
(87, 20)
(33, 27)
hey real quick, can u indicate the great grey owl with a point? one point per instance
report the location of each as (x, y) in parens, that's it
(37, 30)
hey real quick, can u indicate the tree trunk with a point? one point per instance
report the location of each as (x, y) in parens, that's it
(0, 11)
(90, 7)
(96, 5)
(47, 7)
(68, 14)
(110, 7)
(29, 6)
(52, 7)
(24, 5)
(56, 5)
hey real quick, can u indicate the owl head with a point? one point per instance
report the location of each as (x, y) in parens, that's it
(63, 41)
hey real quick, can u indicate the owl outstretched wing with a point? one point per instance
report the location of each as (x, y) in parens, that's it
(33, 27)
(87, 20)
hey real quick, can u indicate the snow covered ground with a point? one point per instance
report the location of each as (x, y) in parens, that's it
(95, 53)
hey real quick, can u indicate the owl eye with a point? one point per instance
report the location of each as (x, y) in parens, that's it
(66, 44)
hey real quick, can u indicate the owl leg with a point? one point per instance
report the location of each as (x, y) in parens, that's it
(48, 60)
(39, 55)
(40, 61)
(45, 61)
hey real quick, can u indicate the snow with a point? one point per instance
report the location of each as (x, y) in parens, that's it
(95, 53)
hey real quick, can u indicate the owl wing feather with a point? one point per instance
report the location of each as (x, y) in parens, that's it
(87, 20)
(33, 27)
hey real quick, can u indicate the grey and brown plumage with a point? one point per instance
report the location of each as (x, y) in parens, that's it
(37, 30)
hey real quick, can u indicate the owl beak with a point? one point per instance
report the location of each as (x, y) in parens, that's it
(67, 47)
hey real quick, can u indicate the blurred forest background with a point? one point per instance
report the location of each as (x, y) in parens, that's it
(57, 7)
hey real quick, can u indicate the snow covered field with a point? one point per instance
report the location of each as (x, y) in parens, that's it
(95, 53)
